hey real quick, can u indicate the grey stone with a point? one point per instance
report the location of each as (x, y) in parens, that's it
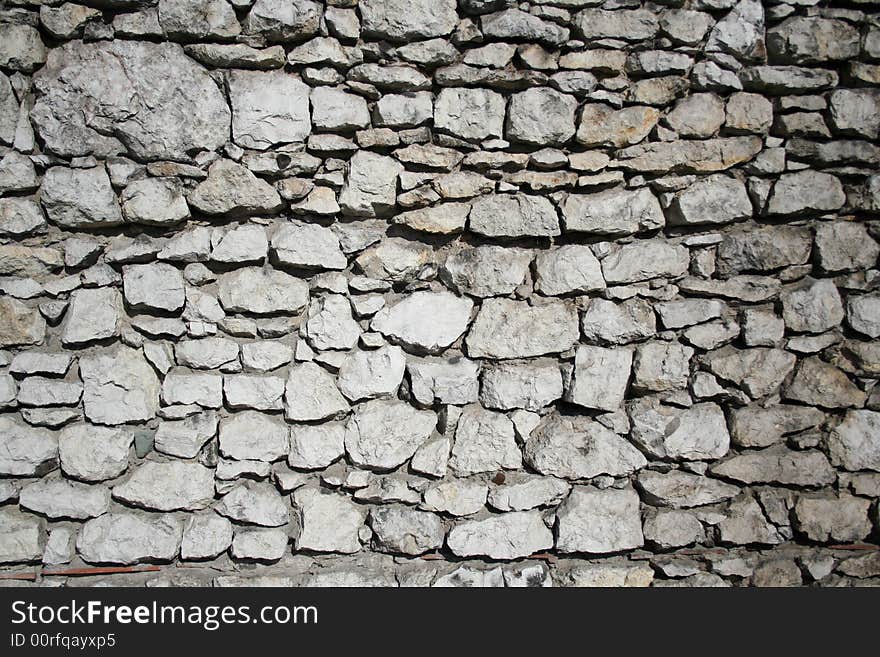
(401, 530)
(529, 385)
(254, 504)
(842, 519)
(757, 426)
(691, 434)
(334, 109)
(232, 190)
(740, 33)
(205, 536)
(22, 49)
(777, 465)
(168, 486)
(758, 371)
(371, 374)
(329, 522)
(613, 212)
(486, 270)
(311, 394)
(690, 155)
(330, 324)
(370, 188)
(863, 314)
(854, 444)
(469, 113)
(642, 261)
(484, 442)
(518, 25)
(700, 115)
(20, 217)
(262, 393)
(503, 329)
(746, 524)
(425, 321)
(26, 451)
(763, 249)
(660, 367)
(382, 435)
(805, 191)
(242, 244)
(184, 438)
(600, 377)
(283, 21)
(184, 387)
(599, 521)
(256, 291)
(611, 323)
(157, 286)
(92, 316)
(717, 199)
(119, 386)
(573, 447)
(540, 116)
(154, 202)
(452, 381)
(513, 215)
(522, 492)
(251, 435)
(400, 20)
(80, 198)
(672, 529)
(92, 453)
(813, 40)
(680, 489)
(505, 536)
(845, 246)
(315, 446)
(127, 538)
(165, 115)
(625, 24)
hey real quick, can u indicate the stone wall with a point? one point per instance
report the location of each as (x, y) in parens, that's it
(426, 292)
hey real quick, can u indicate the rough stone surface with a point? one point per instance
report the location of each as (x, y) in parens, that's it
(440, 293)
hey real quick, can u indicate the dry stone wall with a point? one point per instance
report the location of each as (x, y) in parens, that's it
(426, 292)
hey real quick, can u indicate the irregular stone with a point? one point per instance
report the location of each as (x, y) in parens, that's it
(777, 465)
(486, 270)
(642, 261)
(679, 489)
(403, 20)
(283, 21)
(250, 435)
(625, 24)
(689, 156)
(812, 306)
(80, 198)
(817, 383)
(505, 536)
(169, 486)
(469, 113)
(854, 444)
(740, 33)
(22, 49)
(154, 202)
(841, 519)
(518, 25)
(401, 530)
(700, 115)
(452, 381)
(613, 212)
(863, 314)
(315, 446)
(590, 575)
(691, 434)
(805, 192)
(183, 387)
(254, 504)
(334, 109)
(92, 453)
(762, 249)
(611, 323)
(26, 451)
(253, 290)
(746, 524)
(599, 521)
(311, 394)
(20, 217)
(457, 497)
(503, 329)
(156, 286)
(127, 538)
(425, 321)
(371, 374)
(758, 371)
(525, 491)
(601, 125)
(717, 199)
(329, 522)
(484, 442)
(184, 438)
(382, 434)
(540, 116)
(19, 324)
(513, 215)
(205, 536)
(600, 377)
(231, 190)
(530, 385)
(671, 529)
(163, 116)
(802, 40)
(845, 246)
(331, 325)
(574, 447)
(444, 218)
(370, 189)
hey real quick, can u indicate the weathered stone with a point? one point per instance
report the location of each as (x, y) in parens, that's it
(127, 538)
(746, 524)
(671, 529)
(26, 451)
(402, 20)
(575, 448)
(382, 435)
(184, 438)
(513, 215)
(531, 385)
(329, 522)
(690, 156)
(679, 489)
(863, 314)
(854, 444)
(777, 465)
(840, 519)
(801, 40)
(599, 521)
(699, 115)
(168, 486)
(469, 113)
(311, 394)
(695, 433)
(250, 435)
(157, 286)
(486, 270)
(763, 249)
(93, 315)
(119, 386)
(425, 322)
(371, 374)
(600, 377)
(506, 536)
(19, 324)
(845, 246)
(602, 125)
(613, 212)
(254, 504)
(80, 198)
(153, 114)
(484, 442)
(717, 199)
(284, 20)
(612, 323)
(626, 24)
(315, 446)
(518, 25)
(642, 261)
(740, 33)
(22, 48)
(21, 540)
(20, 217)
(334, 109)
(540, 116)
(502, 329)
(758, 371)
(812, 306)
(399, 529)
(253, 290)
(452, 381)
(805, 192)
(205, 536)
(154, 202)
(818, 383)
(232, 190)
(92, 453)
(370, 188)
(183, 387)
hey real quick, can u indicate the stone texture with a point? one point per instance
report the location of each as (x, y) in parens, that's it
(424, 322)
(127, 538)
(502, 329)
(507, 536)
(599, 521)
